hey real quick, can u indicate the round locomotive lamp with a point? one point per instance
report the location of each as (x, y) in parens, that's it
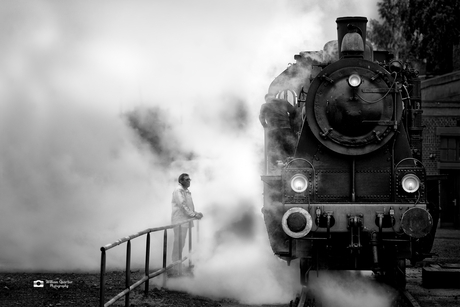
(416, 222)
(410, 183)
(299, 183)
(354, 81)
(396, 66)
(296, 222)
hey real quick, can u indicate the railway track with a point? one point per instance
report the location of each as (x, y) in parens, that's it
(403, 299)
(408, 299)
(363, 290)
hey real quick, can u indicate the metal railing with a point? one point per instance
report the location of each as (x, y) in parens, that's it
(147, 275)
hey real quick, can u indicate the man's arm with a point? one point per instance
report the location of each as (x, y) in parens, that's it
(180, 199)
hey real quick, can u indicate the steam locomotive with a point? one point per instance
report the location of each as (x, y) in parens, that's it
(352, 194)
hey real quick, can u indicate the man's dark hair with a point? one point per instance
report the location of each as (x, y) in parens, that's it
(181, 177)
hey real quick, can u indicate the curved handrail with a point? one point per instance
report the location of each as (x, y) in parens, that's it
(143, 232)
(147, 275)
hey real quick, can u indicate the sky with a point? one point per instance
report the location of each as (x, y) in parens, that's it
(74, 176)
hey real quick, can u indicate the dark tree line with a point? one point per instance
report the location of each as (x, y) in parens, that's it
(423, 30)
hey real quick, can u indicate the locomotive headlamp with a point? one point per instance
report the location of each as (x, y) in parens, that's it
(354, 80)
(410, 183)
(299, 183)
(296, 222)
(396, 66)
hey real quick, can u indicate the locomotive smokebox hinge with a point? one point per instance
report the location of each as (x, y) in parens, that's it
(378, 75)
(326, 78)
(381, 122)
(326, 132)
(377, 135)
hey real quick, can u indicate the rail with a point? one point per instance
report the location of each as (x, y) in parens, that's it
(147, 275)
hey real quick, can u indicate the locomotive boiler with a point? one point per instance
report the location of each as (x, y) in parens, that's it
(351, 195)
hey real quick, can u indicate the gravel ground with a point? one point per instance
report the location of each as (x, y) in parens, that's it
(446, 249)
(82, 289)
(446, 246)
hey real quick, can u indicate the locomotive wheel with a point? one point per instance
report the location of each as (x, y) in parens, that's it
(303, 297)
(302, 300)
(400, 274)
(294, 303)
(304, 270)
(395, 275)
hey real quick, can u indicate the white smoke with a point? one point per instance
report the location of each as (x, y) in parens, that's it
(349, 288)
(74, 176)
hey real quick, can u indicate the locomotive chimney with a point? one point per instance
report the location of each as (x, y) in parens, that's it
(353, 26)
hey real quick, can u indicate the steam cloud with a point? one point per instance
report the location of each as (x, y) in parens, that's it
(346, 289)
(75, 175)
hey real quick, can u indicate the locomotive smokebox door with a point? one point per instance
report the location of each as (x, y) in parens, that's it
(352, 107)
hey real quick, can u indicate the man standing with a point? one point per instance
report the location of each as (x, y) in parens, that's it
(182, 209)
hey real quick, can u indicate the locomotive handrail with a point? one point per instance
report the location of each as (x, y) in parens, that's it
(386, 94)
(284, 95)
(314, 172)
(421, 164)
(147, 275)
(405, 159)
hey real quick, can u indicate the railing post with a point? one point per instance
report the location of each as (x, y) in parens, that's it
(190, 244)
(147, 263)
(102, 278)
(165, 248)
(180, 249)
(146, 277)
(128, 271)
